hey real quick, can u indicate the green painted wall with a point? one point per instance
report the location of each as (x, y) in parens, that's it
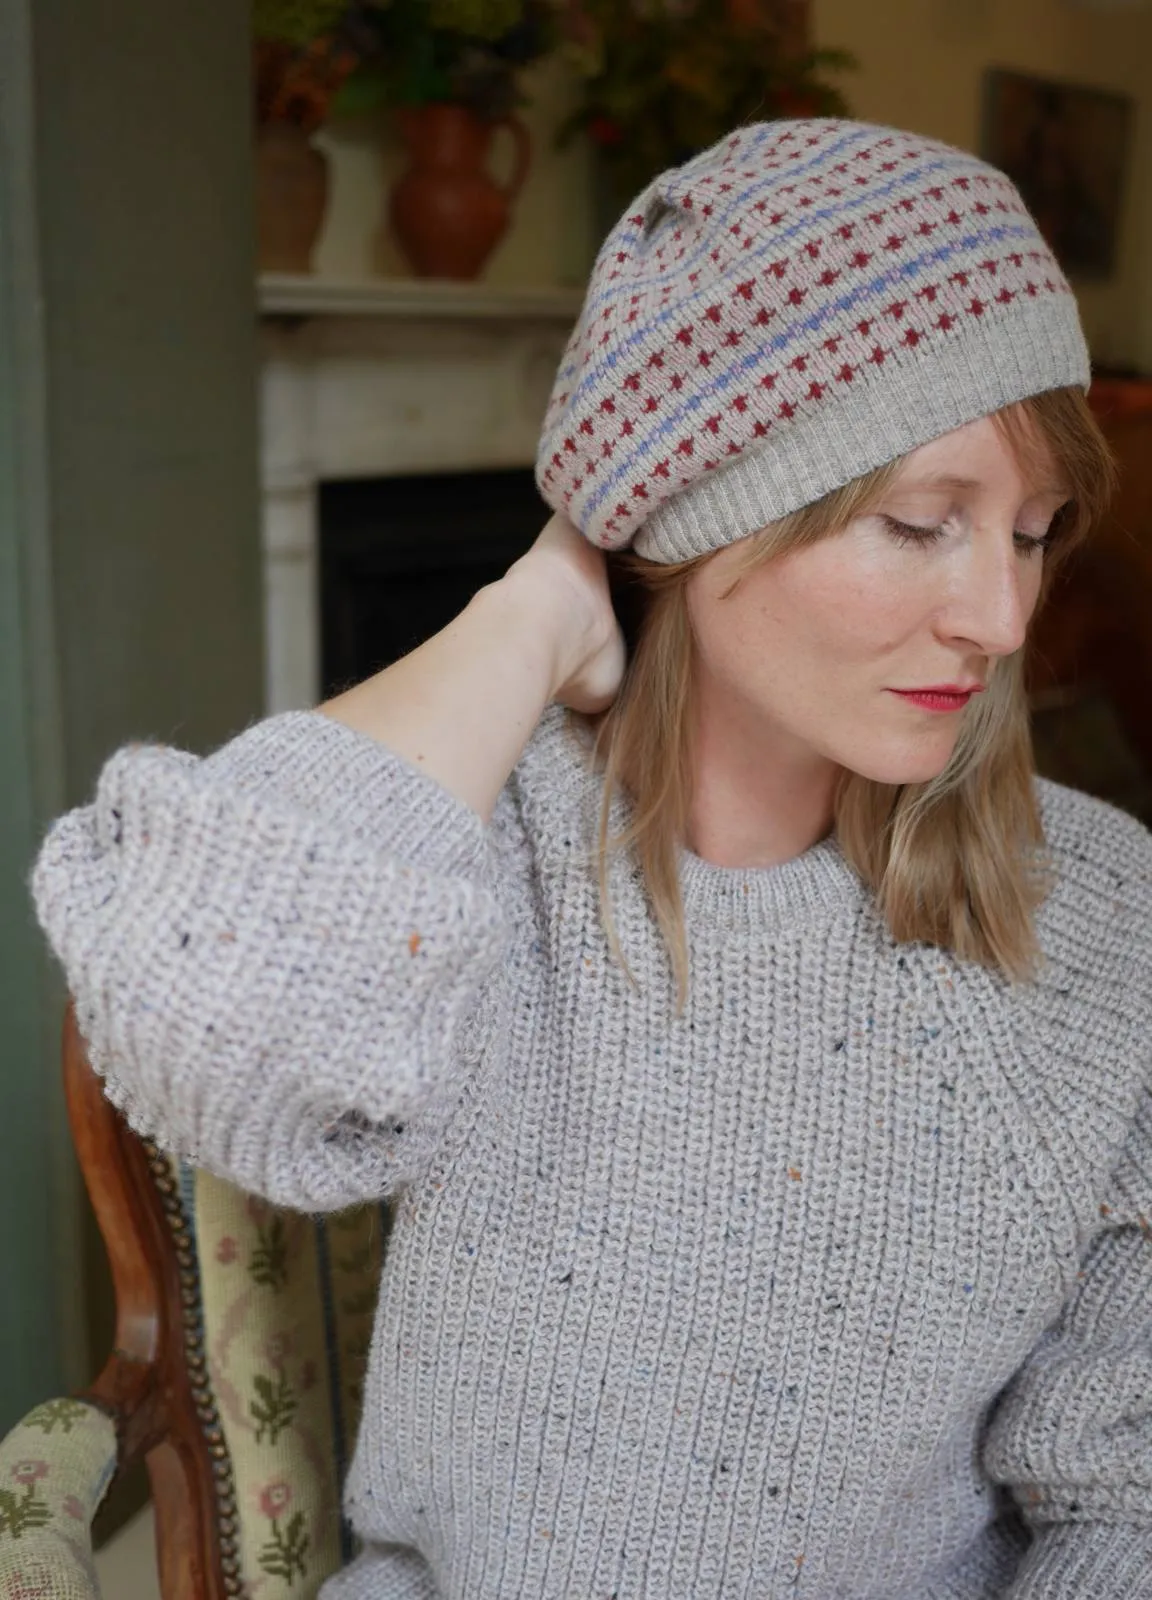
(129, 545)
(143, 134)
(41, 1313)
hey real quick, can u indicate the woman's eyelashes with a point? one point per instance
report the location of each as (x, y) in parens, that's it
(911, 533)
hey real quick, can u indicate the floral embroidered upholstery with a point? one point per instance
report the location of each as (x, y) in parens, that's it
(278, 1312)
(54, 1468)
(281, 1314)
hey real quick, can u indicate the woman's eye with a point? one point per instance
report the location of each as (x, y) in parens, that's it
(1030, 545)
(909, 533)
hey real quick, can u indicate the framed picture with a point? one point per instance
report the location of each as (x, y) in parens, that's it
(1066, 149)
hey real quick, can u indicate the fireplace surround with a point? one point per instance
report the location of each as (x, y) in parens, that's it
(370, 392)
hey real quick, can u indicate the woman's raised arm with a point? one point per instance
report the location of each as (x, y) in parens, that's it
(280, 953)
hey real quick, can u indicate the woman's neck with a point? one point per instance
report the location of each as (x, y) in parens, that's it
(759, 797)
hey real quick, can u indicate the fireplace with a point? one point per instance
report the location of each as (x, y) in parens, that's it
(401, 556)
(399, 422)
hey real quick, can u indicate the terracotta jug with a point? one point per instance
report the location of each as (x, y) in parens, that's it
(291, 197)
(447, 211)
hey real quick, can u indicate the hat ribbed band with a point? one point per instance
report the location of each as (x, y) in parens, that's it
(912, 401)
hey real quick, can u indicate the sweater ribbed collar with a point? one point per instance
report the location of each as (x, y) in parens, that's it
(818, 882)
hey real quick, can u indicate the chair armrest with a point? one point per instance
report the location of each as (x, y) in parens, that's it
(156, 1403)
(55, 1467)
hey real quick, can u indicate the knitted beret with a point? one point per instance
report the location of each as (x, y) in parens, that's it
(798, 305)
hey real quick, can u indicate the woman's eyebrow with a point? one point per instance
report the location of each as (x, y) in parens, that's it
(947, 480)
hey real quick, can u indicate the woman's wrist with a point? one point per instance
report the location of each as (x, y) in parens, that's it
(557, 624)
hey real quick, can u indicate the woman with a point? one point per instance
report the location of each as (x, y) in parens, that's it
(758, 1056)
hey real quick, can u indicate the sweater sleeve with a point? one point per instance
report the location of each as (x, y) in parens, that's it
(1072, 1435)
(278, 955)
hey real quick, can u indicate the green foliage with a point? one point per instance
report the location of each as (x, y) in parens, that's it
(273, 1406)
(282, 1555)
(55, 1414)
(468, 52)
(269, 1263)
(296, 22)
(484, 19)
(19, 1514)
(304, 51)
(666, 80)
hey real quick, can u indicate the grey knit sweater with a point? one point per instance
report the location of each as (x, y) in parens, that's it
(837, 1285)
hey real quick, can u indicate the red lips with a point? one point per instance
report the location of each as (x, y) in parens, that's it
(941, 697)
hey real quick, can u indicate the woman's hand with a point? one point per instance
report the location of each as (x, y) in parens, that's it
(568, 578)
(463, 706)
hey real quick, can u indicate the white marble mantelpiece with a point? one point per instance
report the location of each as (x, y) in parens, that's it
(376, 379)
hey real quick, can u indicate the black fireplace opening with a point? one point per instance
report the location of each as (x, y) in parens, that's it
(401, 556)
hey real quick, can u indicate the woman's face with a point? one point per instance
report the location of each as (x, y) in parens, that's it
(821, 651)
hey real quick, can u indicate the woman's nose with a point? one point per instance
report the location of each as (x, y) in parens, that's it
(994, 596)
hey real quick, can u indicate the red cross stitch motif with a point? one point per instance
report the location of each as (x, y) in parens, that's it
(822, 294)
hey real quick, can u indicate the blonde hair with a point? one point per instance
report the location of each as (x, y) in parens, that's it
(955, 862)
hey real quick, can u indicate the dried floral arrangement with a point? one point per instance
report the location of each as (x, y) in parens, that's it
(665, 78)
(463, 52)
(304, 52)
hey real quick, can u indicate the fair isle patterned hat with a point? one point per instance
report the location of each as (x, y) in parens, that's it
(789, 310)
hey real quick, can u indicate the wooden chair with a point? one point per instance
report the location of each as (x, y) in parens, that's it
(241, 1338)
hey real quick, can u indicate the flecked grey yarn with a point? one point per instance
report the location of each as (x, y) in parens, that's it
(838, 1286)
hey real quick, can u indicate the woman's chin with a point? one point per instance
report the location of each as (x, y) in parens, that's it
(898, 765)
